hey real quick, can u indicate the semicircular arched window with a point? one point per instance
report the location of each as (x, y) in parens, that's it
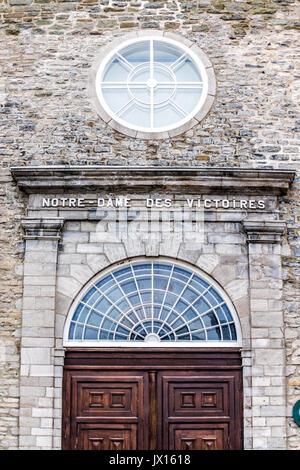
(155, 303)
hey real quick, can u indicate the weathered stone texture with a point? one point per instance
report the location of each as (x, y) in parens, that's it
(291, 271)
(244, 128)
(11, 249)
(47, 49)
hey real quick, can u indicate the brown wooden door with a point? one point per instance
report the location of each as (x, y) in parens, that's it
(107, 409)
(197, 410)
(149, 400)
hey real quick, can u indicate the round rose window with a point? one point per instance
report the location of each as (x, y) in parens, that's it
(152, 85)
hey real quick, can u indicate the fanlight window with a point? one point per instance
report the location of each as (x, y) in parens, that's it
(152, 302)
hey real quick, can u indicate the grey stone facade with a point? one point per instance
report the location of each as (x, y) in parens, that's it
(47, 51)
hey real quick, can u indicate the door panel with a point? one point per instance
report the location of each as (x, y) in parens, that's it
(196, 396)
(198, 437)
(98, 397)
(108, 410)
(187, 399)
(107, 437)
(150, 400)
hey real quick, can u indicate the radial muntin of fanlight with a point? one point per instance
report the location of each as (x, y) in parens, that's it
(150, 302)
(153, 85)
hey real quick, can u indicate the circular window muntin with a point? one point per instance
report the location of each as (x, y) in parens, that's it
(198, 58)
(145, 344)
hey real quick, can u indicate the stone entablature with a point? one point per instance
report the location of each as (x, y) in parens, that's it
(214, 180)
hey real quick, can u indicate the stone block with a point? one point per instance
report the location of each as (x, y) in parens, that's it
(261, 432)
(260, 401)
(224, 238)
(265, 293)
(39, 281)
(277, 400)
(266, 319)
(32, 391)
(259, 305)
(46, 422)
(45, 303)
(260, 443)
(45, 402)
(44, 442)
(90, 248)
(27, 442)
(71, 258)
(259, 332)
(261, 381)
(39, 269)
(29, 421)
(269, 357)
(275, 421)
(68, 286)
(207, 262)
(278, 443)
(261, 343)
(87, 226)
(224, 273)
(274, 370)
(41, 245)
(259, 422)
(97, 262)
(237, 288)
(81, 273)
(35, 356)
(133, 245)
(75, 237)
(114, 252)
(242, 307)
(38, 342)
(104, 237)
(35, 318)
(41, 371)
(41, 257)
(42, 412)
(19, 2)
(41, 431)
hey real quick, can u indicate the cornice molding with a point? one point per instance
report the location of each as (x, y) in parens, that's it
(48, 228)
(268, 231)
(58, 179)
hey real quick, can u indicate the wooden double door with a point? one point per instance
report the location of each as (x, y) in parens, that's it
(152, 400)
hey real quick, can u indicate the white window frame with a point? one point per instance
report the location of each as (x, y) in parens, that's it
(149, 344)
(191, 119)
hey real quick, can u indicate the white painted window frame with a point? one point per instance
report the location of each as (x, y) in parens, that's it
(190, 120)
(149, 344)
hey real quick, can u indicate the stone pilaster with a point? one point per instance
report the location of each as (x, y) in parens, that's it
(38, 333)
(267, 338)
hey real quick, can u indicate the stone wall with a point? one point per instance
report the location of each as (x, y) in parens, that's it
(46, 62)
(47, 49)
(11, 254)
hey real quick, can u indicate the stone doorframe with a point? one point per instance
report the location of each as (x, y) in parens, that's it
(48, 291)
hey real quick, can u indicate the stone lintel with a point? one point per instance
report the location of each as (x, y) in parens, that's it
(264, 231)
(55, 179)
(37, 228)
